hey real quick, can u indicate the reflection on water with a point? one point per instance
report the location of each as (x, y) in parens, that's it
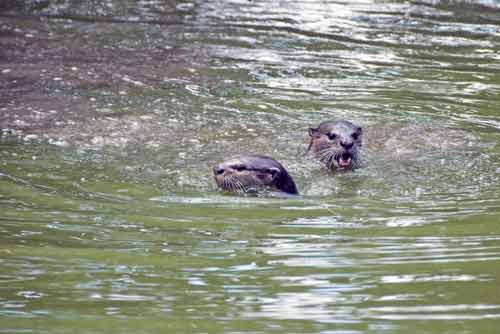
(113, 113)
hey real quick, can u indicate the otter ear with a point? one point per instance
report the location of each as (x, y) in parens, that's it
(274, 171)
(312, 131)
(360, 130)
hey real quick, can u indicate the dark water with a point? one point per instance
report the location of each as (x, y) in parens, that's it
(113, 112)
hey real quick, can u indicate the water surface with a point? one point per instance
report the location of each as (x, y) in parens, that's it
(112, 114)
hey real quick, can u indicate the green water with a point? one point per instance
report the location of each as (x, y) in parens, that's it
(113, 113)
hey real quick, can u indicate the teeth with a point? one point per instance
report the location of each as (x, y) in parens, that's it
(344, 162)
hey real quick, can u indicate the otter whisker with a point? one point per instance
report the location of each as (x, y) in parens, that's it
(329, 163)
(324, 152)
(241, 187)
(328, 159)
(331, 159)
(237, 186)
(231, 183)
(326, 155)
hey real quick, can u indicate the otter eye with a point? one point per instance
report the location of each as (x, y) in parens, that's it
(355, 136)
(332, 136)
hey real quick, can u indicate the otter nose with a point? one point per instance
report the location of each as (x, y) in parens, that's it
(346, 144)
(218, 170)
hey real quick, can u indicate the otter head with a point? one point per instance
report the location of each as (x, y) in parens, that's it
(250, 173)
(337, 144)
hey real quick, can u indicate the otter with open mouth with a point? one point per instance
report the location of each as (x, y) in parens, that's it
(252, 173)
(337, 143)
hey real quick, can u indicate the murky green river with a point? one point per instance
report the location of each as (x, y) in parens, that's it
(113, 112)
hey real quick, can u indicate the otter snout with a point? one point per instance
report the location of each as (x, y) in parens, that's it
(346, 144)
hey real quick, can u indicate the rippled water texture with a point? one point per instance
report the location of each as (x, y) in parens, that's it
(112, 114)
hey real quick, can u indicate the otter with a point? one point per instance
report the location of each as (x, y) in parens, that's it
(337, 143)
(251, 173)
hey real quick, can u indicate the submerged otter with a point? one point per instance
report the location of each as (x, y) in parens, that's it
(336, 143)
(250, 173)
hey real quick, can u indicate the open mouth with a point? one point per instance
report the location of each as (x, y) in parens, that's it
(344, 160)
